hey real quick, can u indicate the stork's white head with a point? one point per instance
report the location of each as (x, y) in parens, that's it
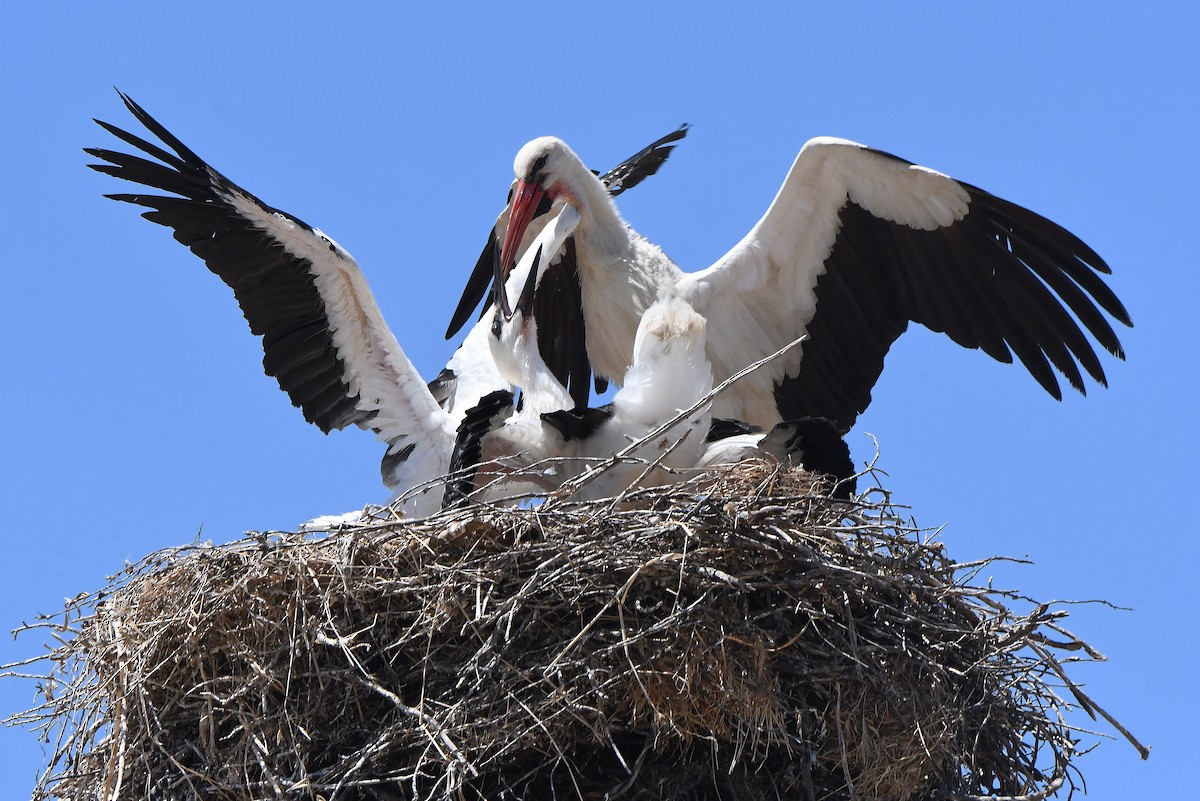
(547, 162)
(548, 171)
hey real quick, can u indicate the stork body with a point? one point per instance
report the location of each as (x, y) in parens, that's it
(669, 373)
(855, 246)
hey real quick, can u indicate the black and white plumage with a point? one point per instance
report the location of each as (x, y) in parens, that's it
(856, 245)
(547, 432)
(497, 429)
(499, 436)
(558, 302)
(324, 337)
(488, 416)
(812, 443)
(669, 374)
(647, 423)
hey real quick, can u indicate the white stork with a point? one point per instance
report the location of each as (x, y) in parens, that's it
(324, 338)
(497, 432)
(670, 373)
(856, 244)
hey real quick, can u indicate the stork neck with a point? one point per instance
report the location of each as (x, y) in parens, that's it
(602, 235)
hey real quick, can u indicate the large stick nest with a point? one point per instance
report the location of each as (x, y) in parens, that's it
(748, 638)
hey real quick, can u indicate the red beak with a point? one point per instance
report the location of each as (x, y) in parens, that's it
(525, 202)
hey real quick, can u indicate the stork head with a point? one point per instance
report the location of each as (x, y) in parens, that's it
(547, 172)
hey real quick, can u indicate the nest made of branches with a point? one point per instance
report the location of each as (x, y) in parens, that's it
(745, 638)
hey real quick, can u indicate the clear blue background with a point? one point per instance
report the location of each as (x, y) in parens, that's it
(136, 415)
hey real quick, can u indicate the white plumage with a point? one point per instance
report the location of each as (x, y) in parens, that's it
(669, 374)
(324, 337)
(855, 245)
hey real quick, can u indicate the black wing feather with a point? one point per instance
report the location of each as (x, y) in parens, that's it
(578, 423)
(1003, 279)
(641, 165)
(468, 444)
(562, 339)
(442, 387)
(477, 286)
(274, 289)
(724, 428)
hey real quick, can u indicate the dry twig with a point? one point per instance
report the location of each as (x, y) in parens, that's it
(741, 635)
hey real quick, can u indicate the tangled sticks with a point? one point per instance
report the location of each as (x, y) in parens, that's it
(746, 637)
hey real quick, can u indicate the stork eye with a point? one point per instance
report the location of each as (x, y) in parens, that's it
(539, 164)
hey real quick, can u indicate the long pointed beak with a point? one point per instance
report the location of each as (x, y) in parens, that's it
(525, 302)
(525, 202)
(549, 241)
(500, 295)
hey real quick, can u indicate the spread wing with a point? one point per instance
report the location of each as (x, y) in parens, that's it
(641, 165)
(324, 338)
(858, 243)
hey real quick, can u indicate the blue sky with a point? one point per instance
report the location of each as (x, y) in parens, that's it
(137, 415)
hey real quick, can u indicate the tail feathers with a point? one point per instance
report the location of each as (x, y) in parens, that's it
(815, 444)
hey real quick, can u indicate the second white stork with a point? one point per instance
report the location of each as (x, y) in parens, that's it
(323, 335)
(547, 448)
(856, 245)
(669, 375)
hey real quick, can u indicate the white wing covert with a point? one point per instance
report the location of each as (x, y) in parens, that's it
(856, 244)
